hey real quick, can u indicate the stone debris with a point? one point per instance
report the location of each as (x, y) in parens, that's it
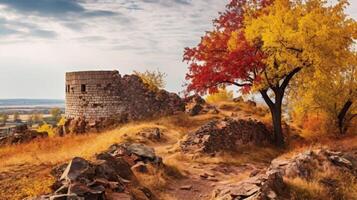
(153, 134)
(226, 135)
(21, 134)
(304, 164)
(266, 186)
(110, 176)
(186, 187)
(196, 105)
(270, 185)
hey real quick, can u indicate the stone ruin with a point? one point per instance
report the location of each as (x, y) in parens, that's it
(98, 96)
(226, 135)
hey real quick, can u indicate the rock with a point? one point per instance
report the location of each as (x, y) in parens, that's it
(195, 110)
(142, 151)
(153, 134)
(265, 186)
(75, 168)
(238, 99)
(340, 161)
(140, 167)
(304, 164)
(110, 176)
(226, 135)
(251, 103)
(270, 185)
(186, 187)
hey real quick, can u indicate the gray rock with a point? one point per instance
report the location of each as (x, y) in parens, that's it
(75, 168)
(142, 150)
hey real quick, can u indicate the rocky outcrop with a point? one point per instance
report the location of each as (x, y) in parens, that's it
(226, 135)
(196, 105)
(269, 185)
(21, 134)
(110, 176)
(305, 164)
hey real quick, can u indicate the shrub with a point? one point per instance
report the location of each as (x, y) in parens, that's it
(154, 79)
(46, 128)
(221, 95)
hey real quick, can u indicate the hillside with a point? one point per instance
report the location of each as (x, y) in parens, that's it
(25, 169)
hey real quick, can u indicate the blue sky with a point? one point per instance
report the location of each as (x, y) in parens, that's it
(42, 39)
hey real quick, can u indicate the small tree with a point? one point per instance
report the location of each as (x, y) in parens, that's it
(154, 79)
(56, 114)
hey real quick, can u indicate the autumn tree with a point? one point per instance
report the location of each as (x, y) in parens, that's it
(332, 93)
(261, 45)
(154, 79)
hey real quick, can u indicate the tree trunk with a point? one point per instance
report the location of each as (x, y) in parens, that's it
(342, 117)
(275, 110)
(278, 131)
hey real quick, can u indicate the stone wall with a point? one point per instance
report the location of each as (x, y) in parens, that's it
(99, 95)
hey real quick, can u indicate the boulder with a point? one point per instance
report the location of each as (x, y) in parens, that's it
(226, 135)
(110, 176)
(153, 134)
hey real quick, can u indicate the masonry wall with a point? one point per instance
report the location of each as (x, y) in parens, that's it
(99, 95)
(93, 94)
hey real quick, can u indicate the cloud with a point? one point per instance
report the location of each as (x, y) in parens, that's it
(4, 31)
(43, 33)
(62, 9)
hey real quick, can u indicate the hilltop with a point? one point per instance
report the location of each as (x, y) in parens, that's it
(25, 169)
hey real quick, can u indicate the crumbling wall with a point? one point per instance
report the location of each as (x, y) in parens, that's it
(100, 95)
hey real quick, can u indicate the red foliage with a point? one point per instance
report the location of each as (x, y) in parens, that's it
(211, 64)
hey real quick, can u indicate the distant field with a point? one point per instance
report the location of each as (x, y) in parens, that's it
(28, 106)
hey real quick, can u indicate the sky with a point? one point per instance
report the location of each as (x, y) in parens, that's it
(40, 40)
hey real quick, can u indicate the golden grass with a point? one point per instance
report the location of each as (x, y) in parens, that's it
(343, 186)
(243, 156)
(55, 150)
(301, 189)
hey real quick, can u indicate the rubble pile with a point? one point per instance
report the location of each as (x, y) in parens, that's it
(226, 135)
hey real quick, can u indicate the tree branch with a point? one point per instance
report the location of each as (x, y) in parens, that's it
(289, 77)
(266, 98)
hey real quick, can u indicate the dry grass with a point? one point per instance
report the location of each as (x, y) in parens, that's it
(261, 155)
(55, 150)
(15, 160)
(304, 190)
(324, 185)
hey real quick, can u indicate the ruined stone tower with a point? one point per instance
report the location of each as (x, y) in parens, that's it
(92, 94)
(99, 95)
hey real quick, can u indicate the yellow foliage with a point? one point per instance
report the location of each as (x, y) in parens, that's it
(46, 128)
(62, 121)
(154, 79)
(220, 96)
(310, 35)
